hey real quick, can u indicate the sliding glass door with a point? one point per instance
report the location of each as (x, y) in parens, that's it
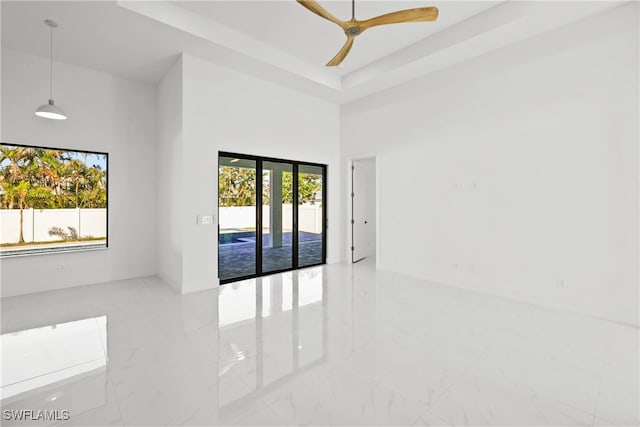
(277, 218)
(272, 215)
(236, 217)
(310, 215)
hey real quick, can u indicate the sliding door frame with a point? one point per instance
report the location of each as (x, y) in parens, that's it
(295, 241)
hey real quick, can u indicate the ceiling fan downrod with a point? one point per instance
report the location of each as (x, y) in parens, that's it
(354, 30)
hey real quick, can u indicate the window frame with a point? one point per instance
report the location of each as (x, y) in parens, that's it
(71, 249)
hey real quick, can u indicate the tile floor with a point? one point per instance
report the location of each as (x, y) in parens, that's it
(334, 345)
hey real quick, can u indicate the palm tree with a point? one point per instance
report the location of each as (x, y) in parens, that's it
(22, 195)
(12, 179)
(236, 186)
(52, 169)
(32, 177)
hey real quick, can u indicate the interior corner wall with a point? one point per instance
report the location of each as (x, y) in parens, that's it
(228, 111)
(170, 181)
(516, 173)
(107, 114)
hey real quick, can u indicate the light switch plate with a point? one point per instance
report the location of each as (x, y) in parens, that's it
(205, 219)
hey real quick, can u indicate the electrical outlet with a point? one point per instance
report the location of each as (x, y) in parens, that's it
(561, 284)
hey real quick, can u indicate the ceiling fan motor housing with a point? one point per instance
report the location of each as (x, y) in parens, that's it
(352, 31)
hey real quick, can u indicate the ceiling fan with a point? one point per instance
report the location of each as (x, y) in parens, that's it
(353, 27)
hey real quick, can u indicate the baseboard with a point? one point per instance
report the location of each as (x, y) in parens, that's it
(523, 297)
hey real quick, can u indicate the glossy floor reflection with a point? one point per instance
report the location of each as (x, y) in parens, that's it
(334, 345)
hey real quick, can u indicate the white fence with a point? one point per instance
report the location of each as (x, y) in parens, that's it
(38, 222)
(239, 217)
(93, 222)
(310, 218)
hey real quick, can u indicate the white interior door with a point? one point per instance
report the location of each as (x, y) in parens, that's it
(363, 209)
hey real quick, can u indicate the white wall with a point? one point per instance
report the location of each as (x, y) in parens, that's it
(223, 110)
(170, 180)
(517, 171)
(228, 111)
(107, 114)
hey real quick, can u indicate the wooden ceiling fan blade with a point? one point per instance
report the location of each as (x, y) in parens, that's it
(342, 54)
(316, 8)
(421, 14)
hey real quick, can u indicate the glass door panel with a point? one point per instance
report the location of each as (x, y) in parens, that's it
(271, 215)
(277, 216)
(310, 215)
(236, 217)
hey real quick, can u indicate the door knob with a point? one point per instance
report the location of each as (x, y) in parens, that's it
(366, 222)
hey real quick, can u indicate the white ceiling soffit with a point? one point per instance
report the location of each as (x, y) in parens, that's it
(203, 27)
(279, 40)
(283, 42)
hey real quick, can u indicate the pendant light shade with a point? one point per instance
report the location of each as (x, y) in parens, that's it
(50, 110)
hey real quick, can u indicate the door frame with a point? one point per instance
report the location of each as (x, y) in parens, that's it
(349, 198)
(259, 220)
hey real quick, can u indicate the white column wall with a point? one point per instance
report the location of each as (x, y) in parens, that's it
(223, 110)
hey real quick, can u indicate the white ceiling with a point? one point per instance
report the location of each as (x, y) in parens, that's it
(279, 41)
(289, 27)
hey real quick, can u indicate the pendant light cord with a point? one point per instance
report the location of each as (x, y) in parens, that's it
(353, 10)
(51, 63)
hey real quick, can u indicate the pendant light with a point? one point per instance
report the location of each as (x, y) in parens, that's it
(49, 110)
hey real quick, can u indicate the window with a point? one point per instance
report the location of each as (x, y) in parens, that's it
(51, 200)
